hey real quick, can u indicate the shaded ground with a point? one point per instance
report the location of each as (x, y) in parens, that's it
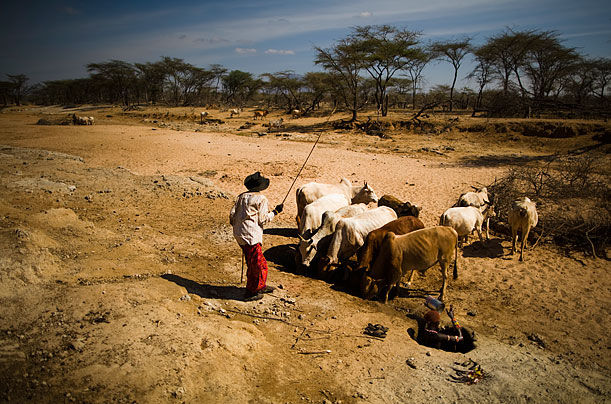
(120, 279)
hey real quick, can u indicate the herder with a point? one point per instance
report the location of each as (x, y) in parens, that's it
(248, 216)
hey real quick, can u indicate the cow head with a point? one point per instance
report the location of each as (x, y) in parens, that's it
(369, 287)
(365, 195)
(407, 209)
(307, 250)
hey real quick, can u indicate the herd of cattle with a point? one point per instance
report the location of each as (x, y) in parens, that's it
(334, 223)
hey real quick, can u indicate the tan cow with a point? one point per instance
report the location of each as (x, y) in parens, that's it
(402, 225)
(415, 251)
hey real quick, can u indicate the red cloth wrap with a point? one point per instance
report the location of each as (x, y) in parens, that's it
(256, 275)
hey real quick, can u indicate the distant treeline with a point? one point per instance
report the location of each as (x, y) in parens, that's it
(517, 73)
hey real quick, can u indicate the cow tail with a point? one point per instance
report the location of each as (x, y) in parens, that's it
(455, 274)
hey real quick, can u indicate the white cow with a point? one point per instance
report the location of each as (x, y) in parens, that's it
(467, 219)
(522, 217)
(311, 191)
(309, 247)
(479, 199)
(350, 234)
(311, 217)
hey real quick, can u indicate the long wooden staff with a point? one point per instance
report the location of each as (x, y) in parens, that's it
(307, 158)
(242, 275)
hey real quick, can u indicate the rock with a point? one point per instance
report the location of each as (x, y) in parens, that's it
(179, 393)
(77, 345)
(185, 298)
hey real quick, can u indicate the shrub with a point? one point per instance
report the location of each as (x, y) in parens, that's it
(572, 195)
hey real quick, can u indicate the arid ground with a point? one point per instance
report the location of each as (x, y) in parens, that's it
(120, 277)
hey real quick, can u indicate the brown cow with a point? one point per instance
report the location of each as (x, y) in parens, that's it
(415, 251)
(402, 208)
(402, 225)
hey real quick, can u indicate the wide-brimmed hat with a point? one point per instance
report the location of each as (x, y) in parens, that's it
(256, 182)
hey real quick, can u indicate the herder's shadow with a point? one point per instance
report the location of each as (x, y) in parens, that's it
(207, 291)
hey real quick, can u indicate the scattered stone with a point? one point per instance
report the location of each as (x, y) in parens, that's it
(77, 345)
(185, 298)
(411, 363)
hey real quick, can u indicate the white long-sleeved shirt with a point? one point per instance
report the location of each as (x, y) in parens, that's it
(248, 216)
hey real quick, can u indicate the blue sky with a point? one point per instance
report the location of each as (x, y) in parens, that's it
(50, 40)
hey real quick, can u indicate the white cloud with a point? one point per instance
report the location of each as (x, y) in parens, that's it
(245, 51)
(279, 52)
(365, 14)
(211, 41)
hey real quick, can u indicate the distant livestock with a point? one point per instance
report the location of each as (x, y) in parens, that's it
(82, 120)
(311, 191)
(260, 114)
(276, 124)
(295, 113)
(522, 217)
(400, 207)
(415, 251)
(234, 111)
(203, 115)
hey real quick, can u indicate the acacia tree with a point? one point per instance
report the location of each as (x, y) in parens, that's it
(385, 50)
(580, 83)
(18, 82)
(344, 62)
(150, 78)
(239, 87)
(547, 63)
(453, 52)
(414, 69)
(602, 76)
(507, 52)
(286, 85)
(185, 83)
(482, 73)
(116, 79)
